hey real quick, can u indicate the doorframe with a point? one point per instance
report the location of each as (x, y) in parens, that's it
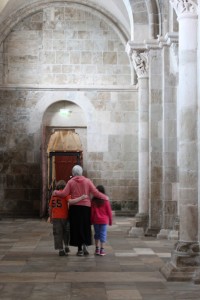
(78, 154)
(46, 132)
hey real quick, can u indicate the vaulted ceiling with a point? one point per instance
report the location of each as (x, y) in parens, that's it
(128, 15)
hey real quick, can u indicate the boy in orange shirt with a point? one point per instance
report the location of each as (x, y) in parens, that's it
(58, 214)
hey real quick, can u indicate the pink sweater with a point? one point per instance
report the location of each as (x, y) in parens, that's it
(79, 185)
(101, 214)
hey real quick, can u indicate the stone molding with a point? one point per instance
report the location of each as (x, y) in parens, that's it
(61, 88)
(139, 52)
(171, 39)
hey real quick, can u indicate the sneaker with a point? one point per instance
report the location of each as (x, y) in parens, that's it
(79, 253)
(62, 253)
(97, 251)
(85, 250)
(102, 252)
(67, 250)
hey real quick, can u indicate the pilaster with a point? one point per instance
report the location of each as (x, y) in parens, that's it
(139, 58)
(169, 57)
(185, 260)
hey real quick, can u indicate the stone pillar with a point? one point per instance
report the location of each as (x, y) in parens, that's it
(155, 138)
(140, 62)
(185, 257)
(197, 275)
(169, 45)
(1, 63)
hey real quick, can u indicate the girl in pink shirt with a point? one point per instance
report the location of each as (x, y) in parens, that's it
(101, 216)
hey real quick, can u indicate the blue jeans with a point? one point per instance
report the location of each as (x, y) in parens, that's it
(100, 232)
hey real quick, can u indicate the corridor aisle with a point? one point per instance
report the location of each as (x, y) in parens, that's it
(31, 269)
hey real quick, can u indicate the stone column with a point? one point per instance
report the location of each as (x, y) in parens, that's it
(185, 257)
(139, 59)
(169, 46)
(1, 63)
(197, 275)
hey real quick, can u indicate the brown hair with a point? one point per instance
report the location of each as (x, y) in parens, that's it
(98, 201)
(60, 185)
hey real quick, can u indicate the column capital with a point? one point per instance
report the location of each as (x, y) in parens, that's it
(185, 8)
(141, 63)
(139, 57)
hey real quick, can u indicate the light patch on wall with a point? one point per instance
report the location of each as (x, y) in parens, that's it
(65, 112)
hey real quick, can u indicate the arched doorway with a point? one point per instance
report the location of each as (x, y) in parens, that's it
(63, 144)
(64, 151)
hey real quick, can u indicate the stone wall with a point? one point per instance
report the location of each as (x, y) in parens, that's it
(65, 45)
(110, 157)
(20, 178)
(115, 163)
(66, 52)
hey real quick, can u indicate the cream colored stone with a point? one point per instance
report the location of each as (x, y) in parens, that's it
(58, 35)
(109, 58)
(86, 57)
(75, 57)
(188, 226)
(62, 57)
(59, 45)
(122, 58)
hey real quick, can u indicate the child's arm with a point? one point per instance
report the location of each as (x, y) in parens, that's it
(73, 201)
(109, 212)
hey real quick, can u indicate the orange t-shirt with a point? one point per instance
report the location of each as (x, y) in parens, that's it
(59, 207)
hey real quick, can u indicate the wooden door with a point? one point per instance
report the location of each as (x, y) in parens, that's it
(63, 167)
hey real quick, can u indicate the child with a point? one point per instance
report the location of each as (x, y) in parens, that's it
(58, 214)
(101, 216)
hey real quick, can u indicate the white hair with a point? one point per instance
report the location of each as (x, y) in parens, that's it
(77, 170)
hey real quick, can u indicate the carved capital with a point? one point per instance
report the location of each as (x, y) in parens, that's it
(184, 7)
(138, 54)
(140, 63)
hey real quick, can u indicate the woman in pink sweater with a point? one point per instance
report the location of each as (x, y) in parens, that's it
(80, 213)
(101, 216)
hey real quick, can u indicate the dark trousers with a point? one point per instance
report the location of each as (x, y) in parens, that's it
(80, 225)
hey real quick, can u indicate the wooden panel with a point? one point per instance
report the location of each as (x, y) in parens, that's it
(63, 166)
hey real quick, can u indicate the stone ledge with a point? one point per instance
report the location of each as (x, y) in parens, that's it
(129, 213)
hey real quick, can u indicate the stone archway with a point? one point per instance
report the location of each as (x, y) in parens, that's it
(63, 136)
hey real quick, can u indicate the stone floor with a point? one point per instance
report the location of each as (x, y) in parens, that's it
(31, 269)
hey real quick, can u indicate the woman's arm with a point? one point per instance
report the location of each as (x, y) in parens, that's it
(73, 201)
(95, 192)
